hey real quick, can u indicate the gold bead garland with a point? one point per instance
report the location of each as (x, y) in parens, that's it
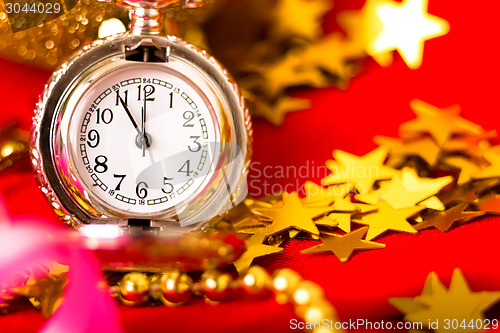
(174, 287)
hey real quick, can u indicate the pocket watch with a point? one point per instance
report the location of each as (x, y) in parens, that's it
(141, 131)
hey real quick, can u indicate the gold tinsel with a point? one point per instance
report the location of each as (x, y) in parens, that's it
(48, 45)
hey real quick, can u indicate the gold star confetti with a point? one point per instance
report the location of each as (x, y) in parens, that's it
(467, 167)
(299, 18)
(361, 172)
(292, 215)
(446, 219)
(275, 113)
(317, 195)
(344, 246)
(439, 123)
(473, 145)
(403, 192)
(436, 303)
(408, 189)
(342, 221)
(255, 249)
(331, 54)
(424, 147)
(286, 73)
(492, 171)
(388, 218)
(490, 204)
(406, 26)
(363, 26)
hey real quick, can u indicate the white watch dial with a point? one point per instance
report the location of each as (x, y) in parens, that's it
(143, 139)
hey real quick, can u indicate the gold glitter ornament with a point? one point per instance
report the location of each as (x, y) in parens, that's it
(50, 44)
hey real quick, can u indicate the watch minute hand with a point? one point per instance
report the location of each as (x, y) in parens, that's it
(122, 102)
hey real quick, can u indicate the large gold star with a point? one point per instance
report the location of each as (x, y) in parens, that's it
(406, 26)
(344, 246)
(409, 305)
(360, 172)
(293, 215)
(441, 124)
(299, 18)
(445, 220)
(388, 218)
(407, 189)
(458, 302)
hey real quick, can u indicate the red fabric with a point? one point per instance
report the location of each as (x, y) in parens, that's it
(459, 68)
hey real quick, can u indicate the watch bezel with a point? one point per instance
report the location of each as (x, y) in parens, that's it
(110, 50)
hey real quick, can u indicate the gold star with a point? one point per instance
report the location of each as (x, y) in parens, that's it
(408, 304)
(363, 26)
(492, 171)
(344, 246)
(317, 195)
(490, 204)
(326, 221)
(293, 215)
(458, 302)
(407, 189)
(406, 26)
(299, 18)
(445, 220)
(424, 147)
(466, 166)
(361, 172)
(474, 145)
(331, 55)
(249, 225)
(255, 249)
(388, 218)
(439, 123)
(275, 113)
(289, 72)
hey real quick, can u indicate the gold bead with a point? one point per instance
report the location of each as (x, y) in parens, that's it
(134, 288)
(285, 281)
(216, 286)
(307, 292)
(175, 287)
(256, 281)
(316, 311)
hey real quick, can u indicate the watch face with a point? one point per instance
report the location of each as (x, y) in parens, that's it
(143, 139)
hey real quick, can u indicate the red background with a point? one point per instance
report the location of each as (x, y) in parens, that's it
(458, 68)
